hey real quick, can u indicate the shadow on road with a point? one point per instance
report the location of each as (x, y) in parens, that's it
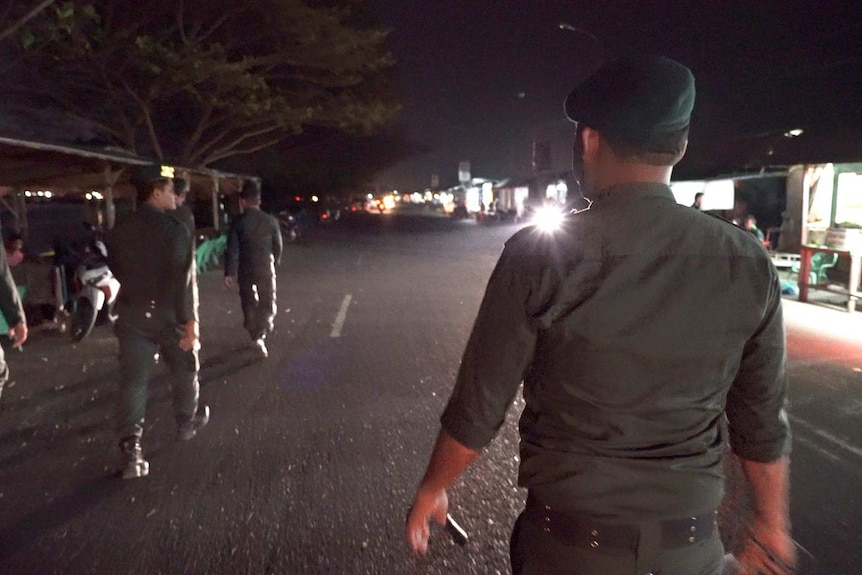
(33, 526)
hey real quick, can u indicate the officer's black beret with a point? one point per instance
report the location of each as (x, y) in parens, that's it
(151, 173)
(249, 191)
(636, 99)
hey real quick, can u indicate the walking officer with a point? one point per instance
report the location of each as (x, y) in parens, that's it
(13, 313)
(183, 213)
(253, 250)
(150, 254)
(636, 328)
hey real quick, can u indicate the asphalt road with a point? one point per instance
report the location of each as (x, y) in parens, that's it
(311, 457)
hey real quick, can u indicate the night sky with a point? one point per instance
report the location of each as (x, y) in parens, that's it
(482, 79)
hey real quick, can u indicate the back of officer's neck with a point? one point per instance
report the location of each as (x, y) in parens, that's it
(617, 172)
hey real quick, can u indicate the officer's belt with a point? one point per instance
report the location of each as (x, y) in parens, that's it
(584, 530)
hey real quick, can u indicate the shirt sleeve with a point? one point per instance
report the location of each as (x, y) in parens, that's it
(187, 290)
(231, 253)
(277, 245)
(10, 300)
(757, 400)
(498, 353)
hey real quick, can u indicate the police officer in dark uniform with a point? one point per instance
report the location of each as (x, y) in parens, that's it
(150, 254)
(183, 213)
(636, 328)
(253, 250)
(13, 313)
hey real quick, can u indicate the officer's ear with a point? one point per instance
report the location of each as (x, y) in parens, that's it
(590, 143)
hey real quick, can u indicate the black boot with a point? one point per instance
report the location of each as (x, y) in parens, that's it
(134, 464)
(189, 429)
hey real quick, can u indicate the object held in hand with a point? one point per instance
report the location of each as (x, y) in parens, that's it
(456, 532)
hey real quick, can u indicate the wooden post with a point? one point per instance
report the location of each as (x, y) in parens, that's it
(111, 178)
(21, 212)
(216, 211)
(806, 198)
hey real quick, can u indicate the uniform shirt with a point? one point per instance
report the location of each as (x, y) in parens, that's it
(184, 215)
(635, 330)
(10, 301)
(150, 253)
(253, 244)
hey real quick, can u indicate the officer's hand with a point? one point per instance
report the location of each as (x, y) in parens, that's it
(191, 339)
(769, 550)
(228, 282)
(427, 505)
(18, 333)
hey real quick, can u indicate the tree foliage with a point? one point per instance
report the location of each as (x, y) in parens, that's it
(197, 81)
(15, 14)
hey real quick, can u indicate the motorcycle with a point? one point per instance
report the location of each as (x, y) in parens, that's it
(96, 289)
(290, 230)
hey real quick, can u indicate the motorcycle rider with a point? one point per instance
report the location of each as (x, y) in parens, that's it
(254, 248)
(150, 253)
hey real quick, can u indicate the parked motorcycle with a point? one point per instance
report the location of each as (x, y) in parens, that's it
(96, 289)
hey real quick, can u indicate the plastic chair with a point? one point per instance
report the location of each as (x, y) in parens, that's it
(209, 253)
(820, 263)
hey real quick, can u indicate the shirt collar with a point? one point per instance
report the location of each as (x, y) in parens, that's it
(629, 191)
(145, 207)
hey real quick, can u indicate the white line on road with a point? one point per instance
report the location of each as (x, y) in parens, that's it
(835, 441)
(342, 315)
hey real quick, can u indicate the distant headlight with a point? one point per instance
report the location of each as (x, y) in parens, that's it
(548, 219)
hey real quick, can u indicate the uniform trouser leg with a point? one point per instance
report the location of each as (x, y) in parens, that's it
(4, 371)
(248, 300)
(534, 551)
(258, 294)
(137, 356)
(184, 367)
(266, 309)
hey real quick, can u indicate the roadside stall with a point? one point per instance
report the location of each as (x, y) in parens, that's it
(57, 196)
(831, 246)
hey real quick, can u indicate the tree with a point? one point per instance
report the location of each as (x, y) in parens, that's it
(196, 81)
(14, 16)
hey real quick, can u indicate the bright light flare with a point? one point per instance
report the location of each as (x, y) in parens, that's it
(548, 219)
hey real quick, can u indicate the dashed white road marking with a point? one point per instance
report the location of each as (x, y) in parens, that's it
(828, 437)
(338, 324)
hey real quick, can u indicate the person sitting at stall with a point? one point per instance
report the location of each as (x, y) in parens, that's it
(751, 226)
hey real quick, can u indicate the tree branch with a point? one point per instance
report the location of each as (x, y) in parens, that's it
(235, 142)
(230, 153)
(29, 16)
(148, 120)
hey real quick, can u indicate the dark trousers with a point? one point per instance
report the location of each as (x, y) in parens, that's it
(138, 348)
(257, 294)
(536, 550)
